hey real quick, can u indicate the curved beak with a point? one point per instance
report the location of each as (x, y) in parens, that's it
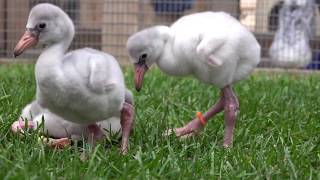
(140, 70)
(28, 40)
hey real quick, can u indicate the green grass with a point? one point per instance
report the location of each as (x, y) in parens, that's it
(277, 134)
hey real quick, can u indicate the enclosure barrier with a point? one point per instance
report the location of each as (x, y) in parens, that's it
(106, 25)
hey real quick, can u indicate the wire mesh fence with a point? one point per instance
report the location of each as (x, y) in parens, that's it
(106, 24)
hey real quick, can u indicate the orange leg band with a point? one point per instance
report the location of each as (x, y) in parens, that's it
(200, 118)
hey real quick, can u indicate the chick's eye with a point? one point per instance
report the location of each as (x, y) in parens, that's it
(42, 25)
(144, 56)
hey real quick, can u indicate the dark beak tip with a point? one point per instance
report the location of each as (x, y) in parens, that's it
(16, 53)
(138, 89)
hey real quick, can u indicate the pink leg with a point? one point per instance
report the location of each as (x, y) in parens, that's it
(56, 143)
(195, 125)
(95, 133)
(20, 127)
(127, 120)
(231, 107)
(229, 103)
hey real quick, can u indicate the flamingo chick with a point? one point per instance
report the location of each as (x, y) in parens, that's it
(58, 130)
(83, 86)
(212, 46)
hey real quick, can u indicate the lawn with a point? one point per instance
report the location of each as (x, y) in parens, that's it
(277, 134)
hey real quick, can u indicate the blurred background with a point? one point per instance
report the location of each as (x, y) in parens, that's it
(288, 30)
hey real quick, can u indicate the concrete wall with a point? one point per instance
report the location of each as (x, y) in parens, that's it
(230, 6)
(16, 17)
(91, 13)
(248, 13)
(120, 20)
(2, 27)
